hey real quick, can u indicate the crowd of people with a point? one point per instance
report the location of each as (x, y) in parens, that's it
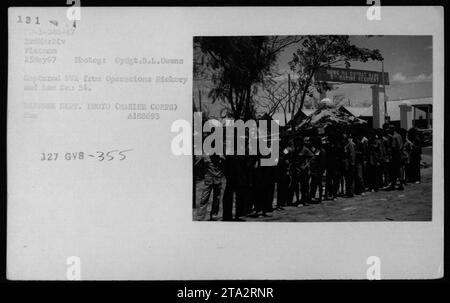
(310, 170)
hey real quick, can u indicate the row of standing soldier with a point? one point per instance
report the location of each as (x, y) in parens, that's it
(311, 169)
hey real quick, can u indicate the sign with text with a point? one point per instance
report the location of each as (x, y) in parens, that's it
(346, 75)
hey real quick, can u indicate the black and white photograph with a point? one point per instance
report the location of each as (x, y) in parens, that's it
(354, 135)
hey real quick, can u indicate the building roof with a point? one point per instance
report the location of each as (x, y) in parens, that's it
(392, 106)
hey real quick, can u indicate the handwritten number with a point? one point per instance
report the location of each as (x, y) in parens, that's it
(123, 155)
(110, 157)
(101, 156)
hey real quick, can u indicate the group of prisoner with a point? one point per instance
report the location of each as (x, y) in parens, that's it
(310, 169)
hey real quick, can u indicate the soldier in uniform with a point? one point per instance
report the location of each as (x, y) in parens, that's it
(360, 152)
(339, 151)
(404, 155)
(245, 186)
(386, 139)
(415, 156)
(294, 173)
(330, 167)
(284, 176)
(264, 189)
(230, 172)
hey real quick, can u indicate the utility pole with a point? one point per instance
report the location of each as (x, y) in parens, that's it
(200, 99)
(384, 93)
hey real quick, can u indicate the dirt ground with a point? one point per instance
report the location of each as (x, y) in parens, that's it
(412, 204)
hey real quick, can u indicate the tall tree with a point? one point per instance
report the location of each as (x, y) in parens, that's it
(239, 64)
(324, 51)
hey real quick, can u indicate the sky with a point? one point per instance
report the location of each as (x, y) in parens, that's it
(407, 59)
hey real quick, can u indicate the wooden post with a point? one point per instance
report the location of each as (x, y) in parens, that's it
(200, 100)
